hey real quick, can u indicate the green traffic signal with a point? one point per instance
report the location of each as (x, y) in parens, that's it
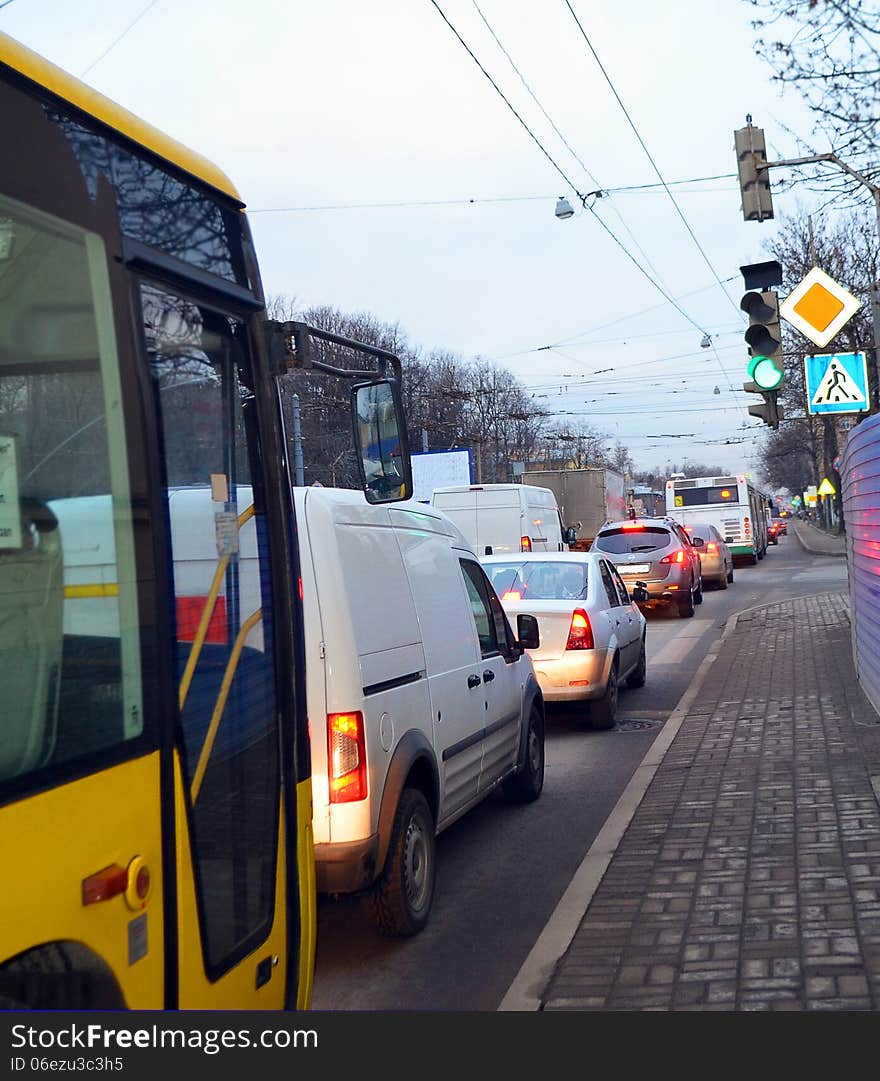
(764, 372)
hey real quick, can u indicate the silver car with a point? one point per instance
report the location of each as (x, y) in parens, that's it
(716, 562)
(655, 551)
(592, 634)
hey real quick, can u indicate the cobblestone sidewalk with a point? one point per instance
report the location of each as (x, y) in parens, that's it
(749, 876)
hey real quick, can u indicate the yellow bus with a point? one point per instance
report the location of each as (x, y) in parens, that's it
(155, 794)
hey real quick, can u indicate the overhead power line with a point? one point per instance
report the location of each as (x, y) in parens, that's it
(648, 154)
(581, 197)
(503, 97)
(116, 40)
(562, 138)
(474, 200)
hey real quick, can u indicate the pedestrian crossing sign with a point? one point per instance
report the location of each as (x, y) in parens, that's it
(836, 383)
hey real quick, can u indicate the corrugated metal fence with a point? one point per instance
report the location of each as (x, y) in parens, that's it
(860, 476)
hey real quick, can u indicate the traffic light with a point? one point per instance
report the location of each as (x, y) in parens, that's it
(764, 339)
(754, 182)
(770, 412)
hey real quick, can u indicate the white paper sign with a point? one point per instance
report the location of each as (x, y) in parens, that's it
(10, 512)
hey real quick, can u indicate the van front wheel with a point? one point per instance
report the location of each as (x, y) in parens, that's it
(401, 898)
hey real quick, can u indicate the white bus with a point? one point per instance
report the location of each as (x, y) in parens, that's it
(732, 504)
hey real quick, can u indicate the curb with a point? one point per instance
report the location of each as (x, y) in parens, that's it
(524, 994)
(817, 551)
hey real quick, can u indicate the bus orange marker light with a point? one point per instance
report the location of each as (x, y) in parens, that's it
(104, 884)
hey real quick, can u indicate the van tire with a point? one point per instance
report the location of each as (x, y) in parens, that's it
(527, 783)
(401, 898)
(603, 711)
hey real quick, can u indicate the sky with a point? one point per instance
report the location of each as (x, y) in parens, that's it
(319, 111)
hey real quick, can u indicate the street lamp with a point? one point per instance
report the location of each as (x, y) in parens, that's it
(564, 209)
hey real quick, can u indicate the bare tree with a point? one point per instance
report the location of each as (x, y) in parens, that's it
(803, 450)
(829, 51)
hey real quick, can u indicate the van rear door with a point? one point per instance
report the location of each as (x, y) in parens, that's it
(460, 505)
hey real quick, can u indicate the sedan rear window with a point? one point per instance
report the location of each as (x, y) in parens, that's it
(538, 581)
(640, 539)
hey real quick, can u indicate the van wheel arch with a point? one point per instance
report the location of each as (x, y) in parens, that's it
(413, 765)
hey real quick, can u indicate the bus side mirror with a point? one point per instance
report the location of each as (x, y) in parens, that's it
(380, 440)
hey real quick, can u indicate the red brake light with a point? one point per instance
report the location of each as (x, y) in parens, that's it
(712, 548)
(512, 595)
(580, 633)
(348, 757)
(674, 557)
(632, 525)
(525, 544)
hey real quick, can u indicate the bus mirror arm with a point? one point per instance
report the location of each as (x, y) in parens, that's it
(291, 347)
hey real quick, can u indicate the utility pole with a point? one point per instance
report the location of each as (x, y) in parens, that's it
(299, 479)
(874, 189)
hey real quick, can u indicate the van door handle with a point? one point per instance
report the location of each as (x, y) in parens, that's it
(473, 681)
(488, 675)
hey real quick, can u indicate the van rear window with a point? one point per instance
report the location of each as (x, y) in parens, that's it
(538, 580)
(623, 541)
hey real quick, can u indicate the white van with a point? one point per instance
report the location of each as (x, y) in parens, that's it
(500, 518)
(421, 699)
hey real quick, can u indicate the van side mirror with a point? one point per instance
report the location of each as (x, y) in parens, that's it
(527, 631)
(380, 439)
(571, 535)
(640, 593)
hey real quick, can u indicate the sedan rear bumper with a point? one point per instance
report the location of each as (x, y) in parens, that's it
(555, 677)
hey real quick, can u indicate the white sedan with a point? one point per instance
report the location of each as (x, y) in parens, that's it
(592, 633)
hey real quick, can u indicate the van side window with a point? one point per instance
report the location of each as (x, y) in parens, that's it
(481, 609)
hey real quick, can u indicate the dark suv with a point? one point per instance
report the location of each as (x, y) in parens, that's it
(658, 553)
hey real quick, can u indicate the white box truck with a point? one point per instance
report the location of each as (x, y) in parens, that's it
(586, 497)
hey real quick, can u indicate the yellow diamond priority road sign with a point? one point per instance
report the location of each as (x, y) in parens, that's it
(819, 307)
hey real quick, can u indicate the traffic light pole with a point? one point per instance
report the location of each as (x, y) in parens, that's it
(874, 189)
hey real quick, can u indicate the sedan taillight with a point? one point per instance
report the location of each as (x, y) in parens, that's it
(712, 548)
(580, 633)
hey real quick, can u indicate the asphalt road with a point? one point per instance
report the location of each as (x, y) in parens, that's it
(503, 869)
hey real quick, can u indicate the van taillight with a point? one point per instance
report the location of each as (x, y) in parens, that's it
(525, 544)
(580, 633)
(348, 758)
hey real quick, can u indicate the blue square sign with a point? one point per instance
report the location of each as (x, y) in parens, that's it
(836, 383)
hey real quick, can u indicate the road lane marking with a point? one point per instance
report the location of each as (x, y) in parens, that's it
(675, 651)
